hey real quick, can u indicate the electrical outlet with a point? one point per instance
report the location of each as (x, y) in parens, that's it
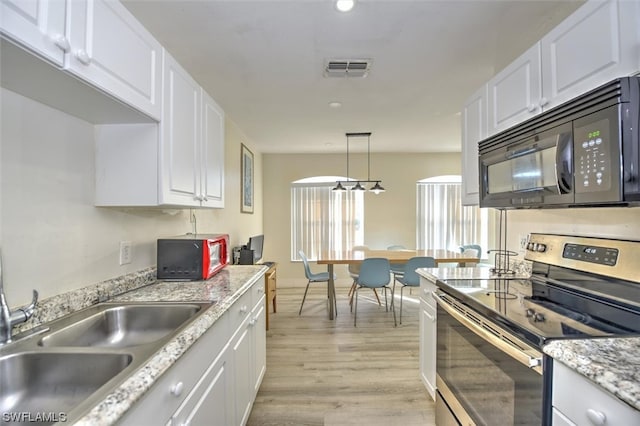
(125, 252)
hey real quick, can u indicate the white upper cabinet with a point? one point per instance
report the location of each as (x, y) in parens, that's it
(111, 50)
(97, 41)
(37, 25)
(515, 92)
(179, 136)
(212, 153)
(474, 129)
(597, 43)
(192, 142)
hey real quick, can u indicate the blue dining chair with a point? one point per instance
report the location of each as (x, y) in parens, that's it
(375, 272)
(317, 277)
(354, 271)
(410, 278)
(397, 269)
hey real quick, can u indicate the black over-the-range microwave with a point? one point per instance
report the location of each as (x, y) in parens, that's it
(585, 152)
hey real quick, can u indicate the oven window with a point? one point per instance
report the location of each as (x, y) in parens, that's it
(492, 387)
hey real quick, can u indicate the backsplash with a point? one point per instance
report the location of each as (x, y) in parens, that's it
(60, 305)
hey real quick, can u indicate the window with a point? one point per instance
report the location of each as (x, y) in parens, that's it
(443, 222)
(324, 219)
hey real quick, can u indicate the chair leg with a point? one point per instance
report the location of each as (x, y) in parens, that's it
(393, 308)
(401, 297)
(304, 297)
(355, 315)
(351, 292)
(377, 297)
(386, 305)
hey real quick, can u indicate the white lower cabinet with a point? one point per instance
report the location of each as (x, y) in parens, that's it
(211, 402)
(578, 401)
(216, 381)
(428, 336)
(249, 349)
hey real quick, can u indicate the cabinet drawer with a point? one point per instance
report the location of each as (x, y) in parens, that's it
(427, 288)
(171, 389)
(240, 310)
(592, 401)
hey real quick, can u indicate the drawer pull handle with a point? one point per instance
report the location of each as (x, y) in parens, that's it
(176, 390)
(596, 417)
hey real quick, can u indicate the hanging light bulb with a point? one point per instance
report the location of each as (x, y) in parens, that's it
(377, 188)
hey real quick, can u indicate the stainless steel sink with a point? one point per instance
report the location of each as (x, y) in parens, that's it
(70, 364)
(123, 326)
(45, 382)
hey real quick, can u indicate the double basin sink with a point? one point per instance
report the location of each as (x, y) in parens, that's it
(61, 370)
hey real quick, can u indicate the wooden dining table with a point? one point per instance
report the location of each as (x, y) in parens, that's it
(333, 257)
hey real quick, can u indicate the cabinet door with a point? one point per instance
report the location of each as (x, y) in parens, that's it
(597, 43)
(260, 345)
(114, 52)
(179, 137)
(210, 403)
(474, 129)
(212, 153)
(37, 25)
(428, 348)
(515, 92)
(243, 372)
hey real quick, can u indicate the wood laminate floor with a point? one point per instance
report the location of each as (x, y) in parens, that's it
(322, 372)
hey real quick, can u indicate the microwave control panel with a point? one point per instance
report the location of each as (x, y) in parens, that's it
(592, 157)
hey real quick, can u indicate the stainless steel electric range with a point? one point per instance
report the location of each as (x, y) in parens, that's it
(490, 332)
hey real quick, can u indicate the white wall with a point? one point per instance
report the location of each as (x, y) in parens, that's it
(52, 237)
(611, 222)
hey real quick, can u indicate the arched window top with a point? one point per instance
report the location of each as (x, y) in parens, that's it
(320, 179)
(442, 179)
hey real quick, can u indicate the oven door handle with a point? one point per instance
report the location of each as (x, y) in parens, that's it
(533, 362)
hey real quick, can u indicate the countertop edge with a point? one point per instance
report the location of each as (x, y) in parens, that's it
(610, 363)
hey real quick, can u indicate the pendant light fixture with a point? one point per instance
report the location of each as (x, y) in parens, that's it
(341, 185)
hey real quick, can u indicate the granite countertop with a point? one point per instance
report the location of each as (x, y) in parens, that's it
(611, 363)
(224, 289)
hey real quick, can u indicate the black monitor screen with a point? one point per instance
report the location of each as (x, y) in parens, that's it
(255, 244)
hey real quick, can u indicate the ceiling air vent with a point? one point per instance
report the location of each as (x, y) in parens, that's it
(347, 67)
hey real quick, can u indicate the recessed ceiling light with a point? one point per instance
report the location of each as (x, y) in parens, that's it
(345, 5)
(335, 104)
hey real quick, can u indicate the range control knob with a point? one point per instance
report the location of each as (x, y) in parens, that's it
(538, 317)
(530, 313)
(541, 248)
(531, 246)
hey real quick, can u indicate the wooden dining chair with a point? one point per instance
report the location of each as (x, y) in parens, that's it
(375, 273)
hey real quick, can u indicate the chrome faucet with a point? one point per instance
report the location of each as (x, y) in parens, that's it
(7, 318)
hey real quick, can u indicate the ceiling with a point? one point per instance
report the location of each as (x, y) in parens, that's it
(263, 62)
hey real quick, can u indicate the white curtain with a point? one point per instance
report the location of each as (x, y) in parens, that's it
(443, 222)
(322, 219)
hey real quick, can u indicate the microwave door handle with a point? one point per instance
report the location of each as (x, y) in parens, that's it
(521, 152)
(564, 157)
(533, 362)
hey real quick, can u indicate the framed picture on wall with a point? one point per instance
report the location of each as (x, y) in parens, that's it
(246, 171)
